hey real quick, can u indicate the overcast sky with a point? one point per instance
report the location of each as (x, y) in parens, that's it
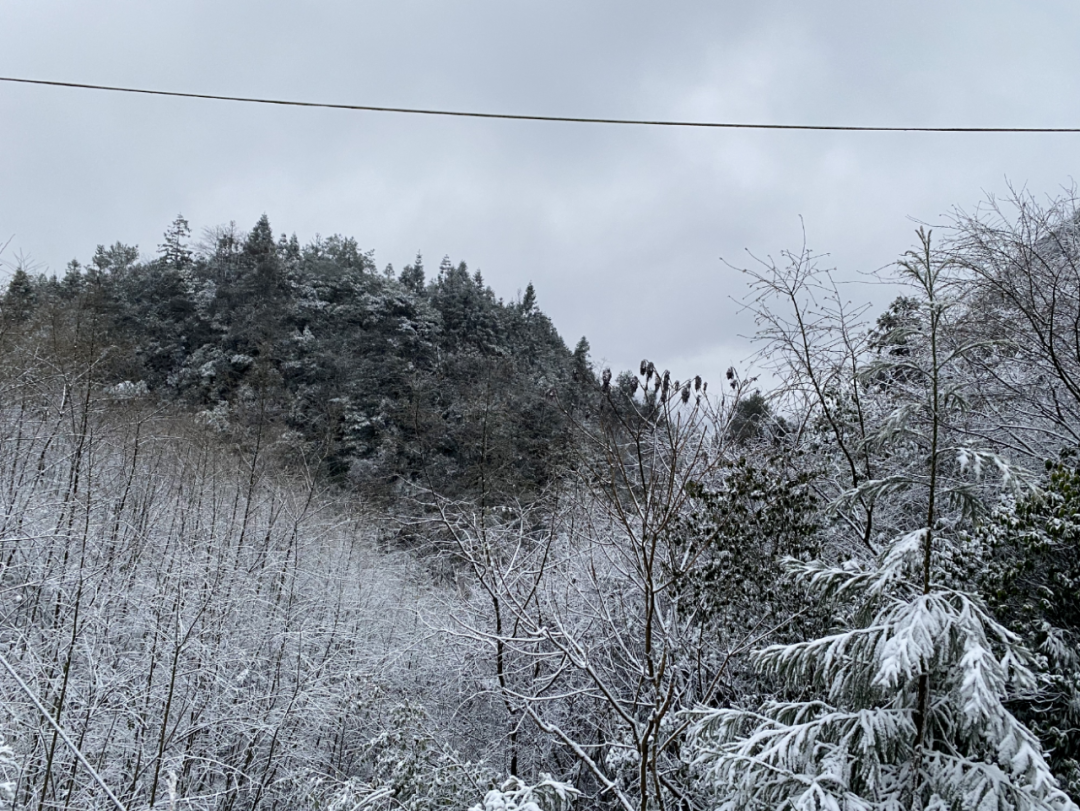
(620, 229)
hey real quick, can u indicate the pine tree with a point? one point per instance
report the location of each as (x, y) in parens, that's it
(174, 250)
(528, 302)
(412, 277)
(20, 299)
(580, 366)
(904, 707)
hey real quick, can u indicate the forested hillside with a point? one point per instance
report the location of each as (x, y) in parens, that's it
(281, 530)
(383, 379)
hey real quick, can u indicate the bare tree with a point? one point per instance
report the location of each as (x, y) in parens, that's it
(813, 340)
(595, 641)
(1023, 263)
(199, 623)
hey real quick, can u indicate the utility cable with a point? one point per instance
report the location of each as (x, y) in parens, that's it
(520, 117)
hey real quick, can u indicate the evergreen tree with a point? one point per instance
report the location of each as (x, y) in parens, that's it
(413, 275)
(580, 366)
(20, 298)
(751, 417)
(116, 260)
(174, 250)
(470, 320)
(528, 301)
(905, 705)
(1030, 575)
(257, 301)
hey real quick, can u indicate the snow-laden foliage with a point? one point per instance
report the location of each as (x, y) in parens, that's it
(196, 621)
(515, 795)
(592, 615)
(9, 772)
(565, 562)
(1031, 575)
(382, 377)
(905, 705)
(856, 745)
(404, 767)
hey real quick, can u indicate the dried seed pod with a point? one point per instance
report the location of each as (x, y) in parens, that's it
(697, 382)
(644, 367)
(686, 393)
(605, 381)
(633, 386)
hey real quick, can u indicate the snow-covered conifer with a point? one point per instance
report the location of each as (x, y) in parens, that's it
(904, 706)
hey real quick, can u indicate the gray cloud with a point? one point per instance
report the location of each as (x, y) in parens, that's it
(620, 229)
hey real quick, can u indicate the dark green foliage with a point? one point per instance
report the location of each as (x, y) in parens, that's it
(413, 275)
(1036, 553)
(119, 259)
(528, 301)
(20, 298)
(895, 339)
(894, 327)
(728, 552)
(157, 314)
(581, 368)
(174, 250)
(385, 379)
(751, 418)
(1033, 584)
(470, 314)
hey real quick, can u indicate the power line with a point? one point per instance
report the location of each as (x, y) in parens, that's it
(519, 117)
